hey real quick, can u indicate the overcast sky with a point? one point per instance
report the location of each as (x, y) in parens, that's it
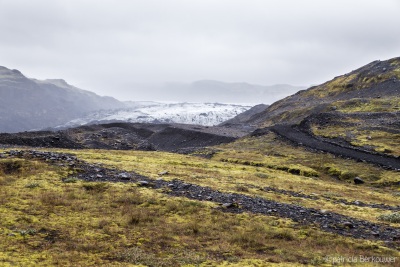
(110, 46)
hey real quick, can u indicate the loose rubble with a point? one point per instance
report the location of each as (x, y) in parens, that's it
(334, 200)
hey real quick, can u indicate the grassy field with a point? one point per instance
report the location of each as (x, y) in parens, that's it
(48, 222)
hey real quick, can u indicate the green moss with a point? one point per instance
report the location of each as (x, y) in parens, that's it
(391, 104)
(120, 224)
(393, 217)
(335, 86)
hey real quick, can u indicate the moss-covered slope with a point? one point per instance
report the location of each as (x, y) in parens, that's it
(374, 87)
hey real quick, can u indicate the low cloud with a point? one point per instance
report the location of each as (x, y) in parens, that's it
(108, 46)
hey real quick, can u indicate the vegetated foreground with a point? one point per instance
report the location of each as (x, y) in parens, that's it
(239, 208)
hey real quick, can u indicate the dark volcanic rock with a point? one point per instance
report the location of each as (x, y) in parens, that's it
(127, 136)
(358, 180)
(174, 138)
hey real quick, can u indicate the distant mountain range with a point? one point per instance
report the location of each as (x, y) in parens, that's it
(216, 91)
(27, 104)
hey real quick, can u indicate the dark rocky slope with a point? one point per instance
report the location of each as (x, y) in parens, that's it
(242, 119)
(125, 136)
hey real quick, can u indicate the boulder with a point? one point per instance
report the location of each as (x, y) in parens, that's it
(358, 180)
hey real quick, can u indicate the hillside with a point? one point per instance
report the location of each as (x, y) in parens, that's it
(360, 110)
(27, 104)
(374, 87)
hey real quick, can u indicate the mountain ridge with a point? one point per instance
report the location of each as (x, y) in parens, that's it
(27, 104)
(376, 80)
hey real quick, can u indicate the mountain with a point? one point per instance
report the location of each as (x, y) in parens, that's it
(373, 87)
(216, 91)
(359, 110)
(206, 114)
(27, 104)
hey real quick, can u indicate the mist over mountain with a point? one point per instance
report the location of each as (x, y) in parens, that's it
(216, 91)
(27, 104)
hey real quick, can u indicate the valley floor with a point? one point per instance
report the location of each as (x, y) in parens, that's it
(255, 202)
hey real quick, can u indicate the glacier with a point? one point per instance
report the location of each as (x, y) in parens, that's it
(205, 114)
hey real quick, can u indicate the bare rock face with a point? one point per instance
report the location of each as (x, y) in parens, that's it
(27, 104)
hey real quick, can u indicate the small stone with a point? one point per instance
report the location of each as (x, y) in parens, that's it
(348, 224)
(143, 183)
(229, 205)
(163, 173)
(358, 180)
(209, 198)
(124, 176)
(375, 234)
(324, 211)
(99, 176)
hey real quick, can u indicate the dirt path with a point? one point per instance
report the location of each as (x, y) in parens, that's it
(299, 137)
(229, 202)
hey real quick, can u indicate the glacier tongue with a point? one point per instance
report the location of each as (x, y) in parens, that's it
(206, 114)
